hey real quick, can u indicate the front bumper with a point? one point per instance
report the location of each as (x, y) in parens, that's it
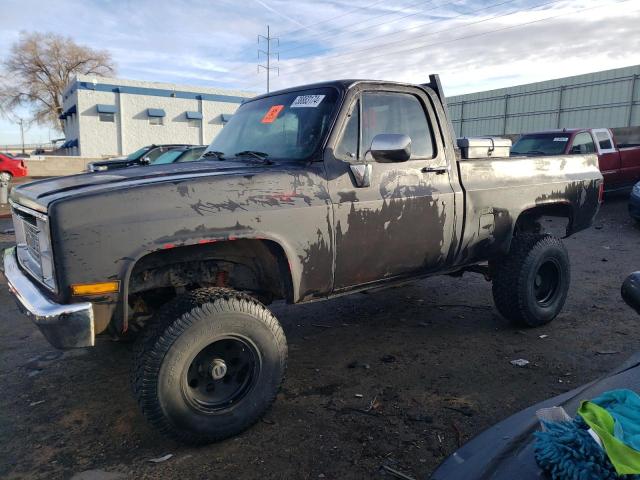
(64, 326)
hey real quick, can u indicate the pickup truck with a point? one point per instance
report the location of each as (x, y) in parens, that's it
(308, 193)
(619, 163)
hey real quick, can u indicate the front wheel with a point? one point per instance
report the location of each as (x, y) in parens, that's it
(209, 365)
(5, 177)
(531, 283)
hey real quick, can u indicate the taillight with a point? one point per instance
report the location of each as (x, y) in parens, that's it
(601, 193)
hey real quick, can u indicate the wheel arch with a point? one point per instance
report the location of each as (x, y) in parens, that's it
(242, 263)
(529, 218)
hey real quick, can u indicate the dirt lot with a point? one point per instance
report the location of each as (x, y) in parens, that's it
(431, 362)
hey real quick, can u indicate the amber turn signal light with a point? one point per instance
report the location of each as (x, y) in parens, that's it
(95, 288)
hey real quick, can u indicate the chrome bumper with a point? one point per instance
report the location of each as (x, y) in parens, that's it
(64, 326)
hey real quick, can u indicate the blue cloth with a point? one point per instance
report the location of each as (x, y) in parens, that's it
(624, 406)
(566, 451)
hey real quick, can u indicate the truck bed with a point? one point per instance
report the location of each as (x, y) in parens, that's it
(498, 190)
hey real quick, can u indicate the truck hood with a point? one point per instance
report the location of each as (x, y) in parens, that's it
(40, 194)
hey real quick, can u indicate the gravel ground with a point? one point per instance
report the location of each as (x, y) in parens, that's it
(430, 360)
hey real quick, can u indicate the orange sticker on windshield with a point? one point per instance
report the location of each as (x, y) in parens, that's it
(272, 114)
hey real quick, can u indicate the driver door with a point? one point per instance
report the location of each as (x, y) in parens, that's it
(402, 223)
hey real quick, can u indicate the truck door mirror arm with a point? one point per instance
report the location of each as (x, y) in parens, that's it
(361, 174)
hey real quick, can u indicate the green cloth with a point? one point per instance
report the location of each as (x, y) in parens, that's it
(617, 426)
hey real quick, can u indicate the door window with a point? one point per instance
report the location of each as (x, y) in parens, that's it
(401, 113)
(347, 148)
(153, 154)
(604, 140)
(583, 143)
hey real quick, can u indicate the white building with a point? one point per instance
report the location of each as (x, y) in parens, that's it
(109, 116)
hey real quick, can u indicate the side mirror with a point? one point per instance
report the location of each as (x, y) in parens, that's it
(631, 291)
(145, 160)
(391, 147)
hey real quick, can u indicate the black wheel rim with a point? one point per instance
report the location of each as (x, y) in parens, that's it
(546, 282)
(221, 374)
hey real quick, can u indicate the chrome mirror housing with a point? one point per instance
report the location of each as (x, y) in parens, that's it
(391, 147)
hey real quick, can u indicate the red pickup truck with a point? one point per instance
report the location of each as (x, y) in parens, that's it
(619, 163)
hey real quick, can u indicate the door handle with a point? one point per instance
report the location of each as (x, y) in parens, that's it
(436, 170)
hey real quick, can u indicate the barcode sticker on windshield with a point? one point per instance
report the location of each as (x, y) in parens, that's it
(311, 101)
(561, 139)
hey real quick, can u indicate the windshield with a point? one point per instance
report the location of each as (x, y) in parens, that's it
(289, 126)
(541, 144)
(192, 154)
(137, 154)
(167, 157)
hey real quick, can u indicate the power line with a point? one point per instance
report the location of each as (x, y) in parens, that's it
(268, 54)
(324, 21)
(385, 23)
(411, 28)
(421, 47)
(414, 38)
(349, 12)
(344, 32)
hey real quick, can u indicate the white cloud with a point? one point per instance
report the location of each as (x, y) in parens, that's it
(213, 42)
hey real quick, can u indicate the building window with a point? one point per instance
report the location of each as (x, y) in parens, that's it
(194, 119)
(107, 117)
(156, 116)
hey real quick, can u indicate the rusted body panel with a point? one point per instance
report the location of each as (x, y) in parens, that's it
(417, 218)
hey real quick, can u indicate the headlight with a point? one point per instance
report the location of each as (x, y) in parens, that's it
(636, 189)
(34, 244)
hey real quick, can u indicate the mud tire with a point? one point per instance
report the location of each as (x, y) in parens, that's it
(165, 353)
(531, 283)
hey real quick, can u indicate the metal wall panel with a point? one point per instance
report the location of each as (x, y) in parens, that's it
(610, 98)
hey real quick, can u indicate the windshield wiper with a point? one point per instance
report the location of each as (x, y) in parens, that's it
(252, 153)
(213, 153)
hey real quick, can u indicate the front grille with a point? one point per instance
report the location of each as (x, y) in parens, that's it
(31, 239)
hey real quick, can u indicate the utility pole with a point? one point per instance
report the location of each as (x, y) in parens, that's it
(268, 54)
(22, 133)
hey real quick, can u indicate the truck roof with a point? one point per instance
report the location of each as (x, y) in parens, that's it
(339, 84)
(560, 130)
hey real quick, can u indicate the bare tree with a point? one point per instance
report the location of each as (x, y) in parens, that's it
(38, 69)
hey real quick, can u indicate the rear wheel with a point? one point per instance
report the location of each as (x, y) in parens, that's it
(209, 365)
(531, 283)
(5, 177)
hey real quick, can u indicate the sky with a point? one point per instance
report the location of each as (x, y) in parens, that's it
(473, 44)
